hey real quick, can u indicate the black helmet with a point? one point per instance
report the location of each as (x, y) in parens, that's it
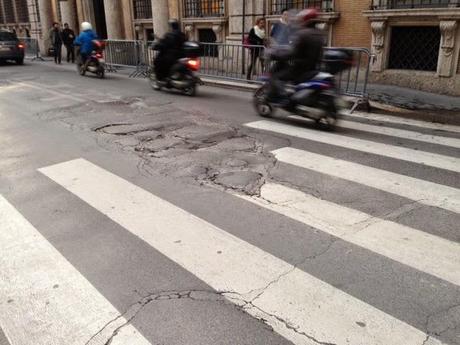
(174, 24)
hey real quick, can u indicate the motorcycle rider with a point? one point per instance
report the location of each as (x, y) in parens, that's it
(170, 49)
(304, 54)
(85, 42)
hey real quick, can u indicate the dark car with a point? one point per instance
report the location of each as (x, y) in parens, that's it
(11, 48)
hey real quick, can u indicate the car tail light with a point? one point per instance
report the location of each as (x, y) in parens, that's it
(21, 46)
(193, 64)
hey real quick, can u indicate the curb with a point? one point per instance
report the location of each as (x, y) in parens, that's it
(251, 87)
(235, 85)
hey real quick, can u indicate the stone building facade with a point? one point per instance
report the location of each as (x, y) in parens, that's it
(416, 43)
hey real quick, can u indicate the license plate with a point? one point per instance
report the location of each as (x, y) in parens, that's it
(4, 49)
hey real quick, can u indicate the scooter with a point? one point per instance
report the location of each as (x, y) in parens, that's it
(316, 98)
(183, 75)
(95, 63)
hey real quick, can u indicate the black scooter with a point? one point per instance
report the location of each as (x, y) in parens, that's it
(95, 62)
(315, 98)
(183, 75)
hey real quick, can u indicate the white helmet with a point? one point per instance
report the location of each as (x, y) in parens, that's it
(85, 26)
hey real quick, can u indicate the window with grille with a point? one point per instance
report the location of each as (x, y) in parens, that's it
(142, 9)
(203, 8)
(404, 4)
(2, 16)
(277, 6)
(9, 11)
(22, 11)
(414, 48)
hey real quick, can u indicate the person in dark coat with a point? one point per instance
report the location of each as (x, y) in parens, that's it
(55, 36)
(256, 37)
(170, 49)
(68, 36)
(305, 54)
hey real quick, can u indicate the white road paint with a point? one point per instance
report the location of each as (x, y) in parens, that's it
(47, 89)
(227, 263)
(404, 121)
(401, 153)
(401, 133)
(424, 192)
(44, 300)
(422, 251)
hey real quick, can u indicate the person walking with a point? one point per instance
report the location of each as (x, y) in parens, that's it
(68, 36)
(56, 42)
(256, 38)
(280, 33)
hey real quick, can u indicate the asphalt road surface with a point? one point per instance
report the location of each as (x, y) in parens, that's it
(134, 217)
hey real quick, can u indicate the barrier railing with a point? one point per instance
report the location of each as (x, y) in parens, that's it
(31, 47)
(234, 62)
(231, 61)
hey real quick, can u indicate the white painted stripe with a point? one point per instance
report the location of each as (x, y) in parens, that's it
(424, 192)
(47, 89)
(404, 121)
(227, 263)
(402, 153)
(422, 251)
(400, 133)
(44, 300)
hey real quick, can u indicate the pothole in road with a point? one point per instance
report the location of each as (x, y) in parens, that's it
(191, 146)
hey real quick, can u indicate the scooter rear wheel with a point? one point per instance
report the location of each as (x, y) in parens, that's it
(101, 74)
(81, 70)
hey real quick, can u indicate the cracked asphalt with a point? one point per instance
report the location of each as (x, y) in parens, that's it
(196, 154)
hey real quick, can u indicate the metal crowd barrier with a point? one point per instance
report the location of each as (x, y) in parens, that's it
(128, 54)
(31, 47)
(233, 62)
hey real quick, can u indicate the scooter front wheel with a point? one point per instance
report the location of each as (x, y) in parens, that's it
(263, 108)
(328, 121)
(153, 80)
(81, 70)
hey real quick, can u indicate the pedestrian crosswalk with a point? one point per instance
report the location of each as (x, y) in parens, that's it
(47, 300)
(297, 304)
(396, 152)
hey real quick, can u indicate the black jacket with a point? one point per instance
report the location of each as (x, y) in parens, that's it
(254, 39)
(68, 36)
(171, 44)
(304, 53)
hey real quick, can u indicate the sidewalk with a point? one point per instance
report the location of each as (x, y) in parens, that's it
(412, 99)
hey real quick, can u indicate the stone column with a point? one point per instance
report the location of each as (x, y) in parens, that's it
(113, 19)
(69, 13)
(447, 50)
(378, 45)
(46, 20)
(160, 14)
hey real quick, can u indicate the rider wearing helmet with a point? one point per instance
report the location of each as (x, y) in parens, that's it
(304, 54)
(85, 41)
(170, 49)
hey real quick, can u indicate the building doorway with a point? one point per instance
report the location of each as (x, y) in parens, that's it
(99, 18)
